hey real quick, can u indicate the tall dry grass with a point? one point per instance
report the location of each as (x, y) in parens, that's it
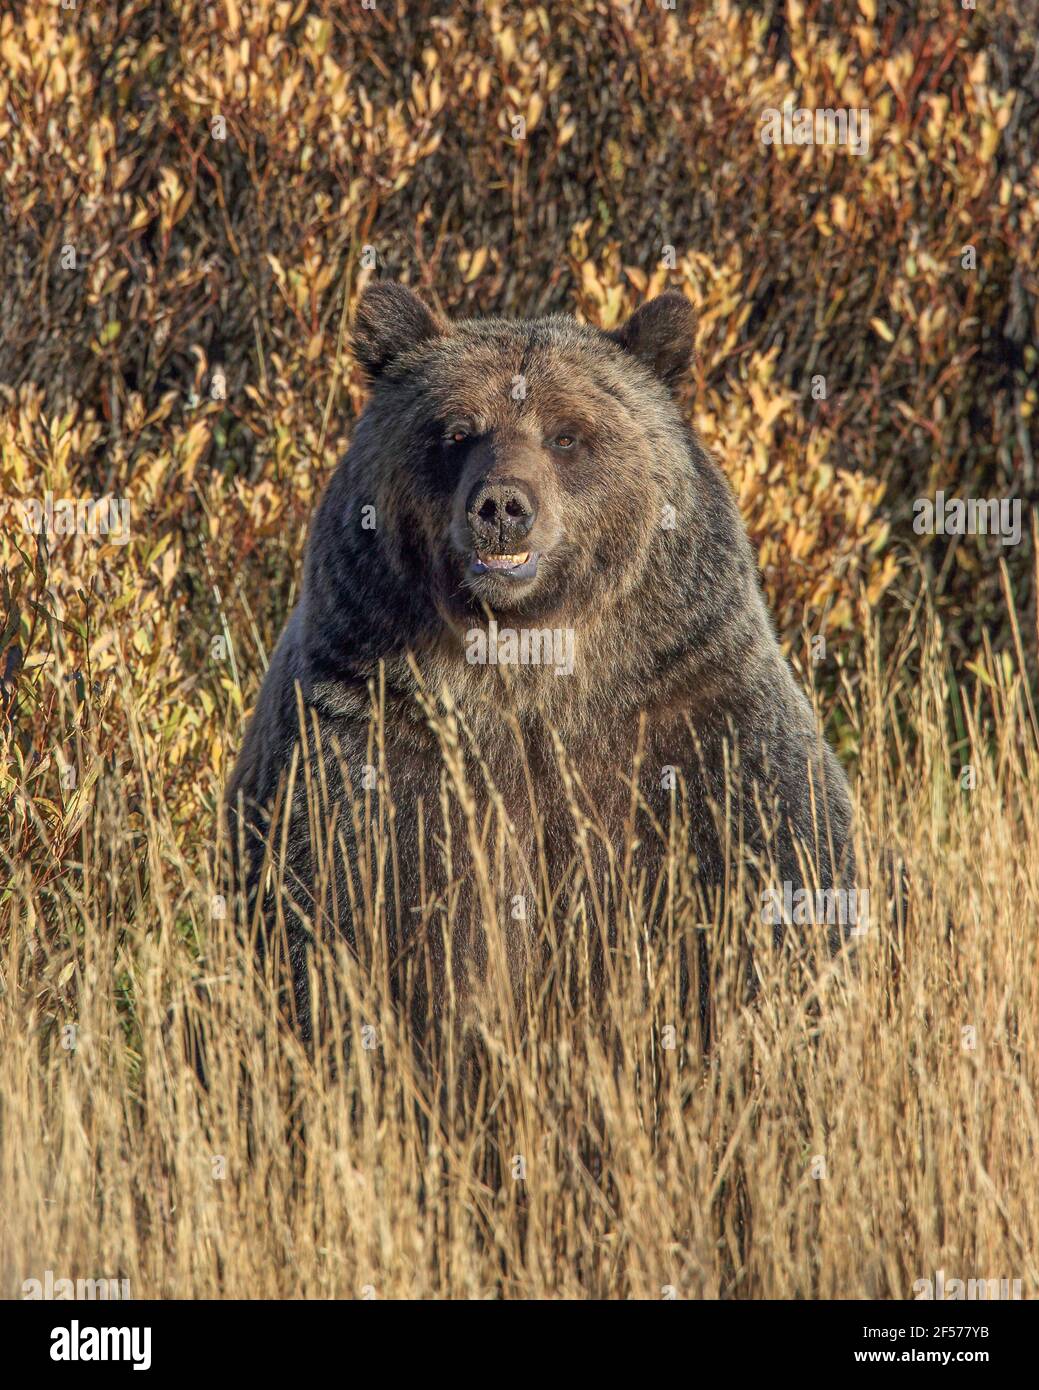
(844, 1136)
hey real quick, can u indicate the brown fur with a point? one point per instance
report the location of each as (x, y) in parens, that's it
(642, 555)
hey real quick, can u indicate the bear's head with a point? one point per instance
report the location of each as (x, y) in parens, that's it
(521, 467)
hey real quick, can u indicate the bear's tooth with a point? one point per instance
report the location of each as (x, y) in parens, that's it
(510, 560)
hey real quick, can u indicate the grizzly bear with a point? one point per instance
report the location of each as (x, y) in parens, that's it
(526, 540)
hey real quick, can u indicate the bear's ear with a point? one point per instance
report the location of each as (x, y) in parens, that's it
(390, 319)
(660, 334)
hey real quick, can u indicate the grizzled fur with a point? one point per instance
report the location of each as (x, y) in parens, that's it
(642, 554)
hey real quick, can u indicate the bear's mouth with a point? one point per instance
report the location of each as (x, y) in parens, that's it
(523, 565)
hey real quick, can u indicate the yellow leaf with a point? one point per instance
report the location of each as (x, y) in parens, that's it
(477, 264)
(981, 674)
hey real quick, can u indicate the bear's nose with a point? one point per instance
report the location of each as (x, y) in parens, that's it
(500, 513)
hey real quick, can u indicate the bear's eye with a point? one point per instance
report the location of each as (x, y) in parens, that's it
(456, 434)
(563, 441)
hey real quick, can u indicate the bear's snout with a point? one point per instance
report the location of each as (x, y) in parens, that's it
(500, 514)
